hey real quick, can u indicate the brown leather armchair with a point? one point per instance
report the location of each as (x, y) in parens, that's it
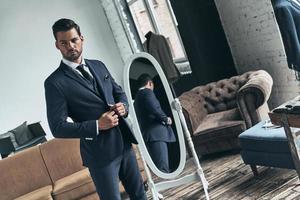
(218, 112)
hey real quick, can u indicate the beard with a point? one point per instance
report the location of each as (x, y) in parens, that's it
(73, 55)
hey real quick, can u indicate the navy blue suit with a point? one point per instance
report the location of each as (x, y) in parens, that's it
(153, 124)
(68, 94)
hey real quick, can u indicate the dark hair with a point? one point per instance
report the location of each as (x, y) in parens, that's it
(143, 80)
(64, 25)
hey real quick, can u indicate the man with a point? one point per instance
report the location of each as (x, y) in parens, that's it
(84, 90)
(154, 123)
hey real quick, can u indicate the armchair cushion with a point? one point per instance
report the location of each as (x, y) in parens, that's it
(217, 120)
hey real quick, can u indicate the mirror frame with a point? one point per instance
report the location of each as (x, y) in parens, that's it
(134, 122)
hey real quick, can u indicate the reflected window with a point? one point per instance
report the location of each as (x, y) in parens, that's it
(156, 16)
(141, 18)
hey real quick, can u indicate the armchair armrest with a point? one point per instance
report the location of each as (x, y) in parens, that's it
(252, 97)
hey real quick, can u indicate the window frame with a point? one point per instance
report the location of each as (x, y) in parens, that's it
(149, 6)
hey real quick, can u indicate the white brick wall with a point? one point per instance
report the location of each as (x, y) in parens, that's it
(117, 28)
(255, 42)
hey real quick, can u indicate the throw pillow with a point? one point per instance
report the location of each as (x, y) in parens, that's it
(22, 134)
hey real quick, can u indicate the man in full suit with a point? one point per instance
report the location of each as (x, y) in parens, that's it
(85, 91)
(154, 123)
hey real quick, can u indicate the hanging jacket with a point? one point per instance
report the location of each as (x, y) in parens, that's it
(287, 13)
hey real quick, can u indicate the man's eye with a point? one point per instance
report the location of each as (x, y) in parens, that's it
(74, 40)
(63, 43)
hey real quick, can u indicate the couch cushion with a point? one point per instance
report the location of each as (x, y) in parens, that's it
(260, 139)
(43, 193)
(74, 186)
(93, 196)
(22, 173)
(62, 157)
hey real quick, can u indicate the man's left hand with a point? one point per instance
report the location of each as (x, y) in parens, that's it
(119, 108)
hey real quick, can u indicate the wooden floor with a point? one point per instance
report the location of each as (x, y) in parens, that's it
(230, 178)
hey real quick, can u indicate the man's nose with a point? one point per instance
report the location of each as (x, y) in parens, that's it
(70, 45)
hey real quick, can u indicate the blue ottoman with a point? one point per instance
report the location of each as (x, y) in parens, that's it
(265, 147)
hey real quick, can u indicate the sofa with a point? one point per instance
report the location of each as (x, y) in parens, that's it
(216, 113)
(52, 170)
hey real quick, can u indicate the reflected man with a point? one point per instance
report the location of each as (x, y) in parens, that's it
(154, 123)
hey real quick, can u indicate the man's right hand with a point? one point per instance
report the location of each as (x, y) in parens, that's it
(169, 122)
(108, 120)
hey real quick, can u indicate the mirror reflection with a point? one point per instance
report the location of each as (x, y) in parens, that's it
(154, 115)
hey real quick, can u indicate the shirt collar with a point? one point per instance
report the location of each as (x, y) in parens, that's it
(72, 64)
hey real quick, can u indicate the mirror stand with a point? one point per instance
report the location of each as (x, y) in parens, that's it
(136, 65)
(187, 179)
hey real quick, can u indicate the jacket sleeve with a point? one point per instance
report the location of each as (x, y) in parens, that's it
(57, 113)
(153, 107)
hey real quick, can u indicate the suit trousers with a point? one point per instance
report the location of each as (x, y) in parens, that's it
(124, 168)
(158, 151)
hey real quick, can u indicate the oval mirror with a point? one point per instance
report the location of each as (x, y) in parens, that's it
(155, 122)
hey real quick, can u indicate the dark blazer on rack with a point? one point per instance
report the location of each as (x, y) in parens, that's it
(158, 47)
(69, 95)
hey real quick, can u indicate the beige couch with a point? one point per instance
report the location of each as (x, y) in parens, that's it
(218, 112)
(52, 170)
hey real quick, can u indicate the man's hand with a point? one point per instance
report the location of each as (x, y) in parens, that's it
(108, 120)
(169, 122)
(119, 109)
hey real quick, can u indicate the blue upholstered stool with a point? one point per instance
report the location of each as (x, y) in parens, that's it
(265, 147)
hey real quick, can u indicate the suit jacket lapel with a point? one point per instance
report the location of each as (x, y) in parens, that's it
(99, 76)
(75, 76)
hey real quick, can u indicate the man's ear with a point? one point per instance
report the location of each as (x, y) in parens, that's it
(81, 37)
(56, 44)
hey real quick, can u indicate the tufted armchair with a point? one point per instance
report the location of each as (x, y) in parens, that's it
(218, 112)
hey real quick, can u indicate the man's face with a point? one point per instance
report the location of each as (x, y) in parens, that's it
(70, 45)
(151, 85)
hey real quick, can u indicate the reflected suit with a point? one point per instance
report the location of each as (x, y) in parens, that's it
(153, 124)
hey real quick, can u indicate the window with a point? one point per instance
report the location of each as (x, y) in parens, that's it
(154, 2)
(157, 16)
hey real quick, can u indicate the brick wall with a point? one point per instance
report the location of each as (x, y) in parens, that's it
(255, 42)
(117, 28)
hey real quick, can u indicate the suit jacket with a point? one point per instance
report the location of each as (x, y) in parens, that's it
(288, 17)
(158, 47)
(69, 95)
(151, 118)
